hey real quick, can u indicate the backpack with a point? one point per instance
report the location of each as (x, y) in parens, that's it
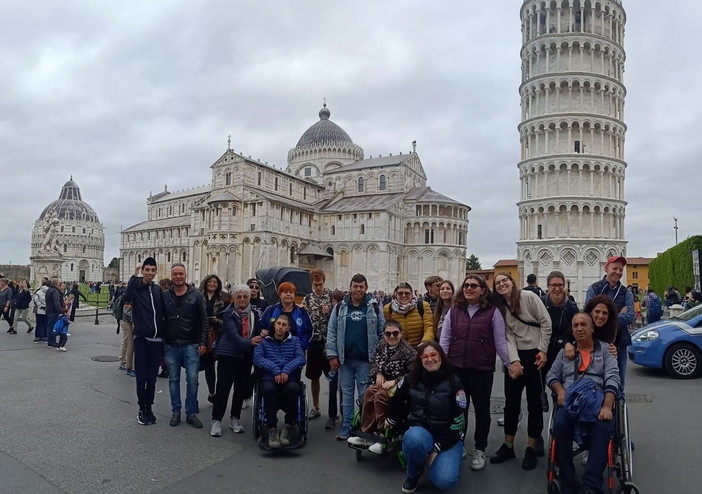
(118, 308)
(655, 309)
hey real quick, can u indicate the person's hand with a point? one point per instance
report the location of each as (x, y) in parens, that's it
(137, 270)
(325, 309)
(605, 413)
(276, 379)
(283, 378)
(540, 360)
(388, 384)
(201, 350)
(379, 380)
(569, 351)
(515, 369)
(264, 333)
(432, 456)
(256, 340)
(612, 349)
(560, 397)
(334, 364)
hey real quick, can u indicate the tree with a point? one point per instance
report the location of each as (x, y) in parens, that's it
(473, 263)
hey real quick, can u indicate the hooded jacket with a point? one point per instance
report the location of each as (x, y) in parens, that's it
(147, 307)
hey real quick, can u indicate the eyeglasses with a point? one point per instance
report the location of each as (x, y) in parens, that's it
(404, 294)
(432, 355)
(556, 285)
(472, 286)
(392, 334)
(501, 282)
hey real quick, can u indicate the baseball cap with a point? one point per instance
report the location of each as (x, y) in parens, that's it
(618, 259)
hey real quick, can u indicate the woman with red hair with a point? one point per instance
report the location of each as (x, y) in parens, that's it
(300, 322)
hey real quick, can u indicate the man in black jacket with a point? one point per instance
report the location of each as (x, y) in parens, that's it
(144, 298)
(54, 308)
(186, 339)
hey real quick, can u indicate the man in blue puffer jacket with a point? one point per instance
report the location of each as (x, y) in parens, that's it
(594, 363)
(281, 358)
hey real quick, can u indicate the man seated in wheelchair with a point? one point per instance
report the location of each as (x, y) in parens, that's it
(392, 360)
(586, 388)
(281, 358)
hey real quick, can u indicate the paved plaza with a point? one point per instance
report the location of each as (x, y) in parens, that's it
(68, 426)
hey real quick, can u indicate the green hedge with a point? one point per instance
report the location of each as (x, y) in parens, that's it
(674, 266)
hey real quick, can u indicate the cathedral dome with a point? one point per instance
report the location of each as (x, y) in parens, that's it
(70, 205)
(324, 132)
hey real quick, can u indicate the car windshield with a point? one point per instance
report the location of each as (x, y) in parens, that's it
(689, 314)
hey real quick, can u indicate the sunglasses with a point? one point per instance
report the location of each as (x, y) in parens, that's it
(253, 287)
(426, 356)
(392, 334)
(404, 294)
(472, 286)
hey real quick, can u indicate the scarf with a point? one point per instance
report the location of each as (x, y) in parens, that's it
(245, 316)
(403, 308)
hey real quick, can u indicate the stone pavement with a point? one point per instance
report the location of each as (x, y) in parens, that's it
(69, 426)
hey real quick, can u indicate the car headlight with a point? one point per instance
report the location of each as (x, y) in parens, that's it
(648, 335)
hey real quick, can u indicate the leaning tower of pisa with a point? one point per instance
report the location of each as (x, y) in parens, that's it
(572, 130)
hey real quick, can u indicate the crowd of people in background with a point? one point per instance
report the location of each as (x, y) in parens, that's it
(406, 357)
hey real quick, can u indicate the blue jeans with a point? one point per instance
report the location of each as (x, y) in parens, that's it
(50, 333)
(352, 373)
(186, 356)
(416, 446)
(598, 436)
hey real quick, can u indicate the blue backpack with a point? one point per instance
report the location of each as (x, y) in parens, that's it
(655, 310)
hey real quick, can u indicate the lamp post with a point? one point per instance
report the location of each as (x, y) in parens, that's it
(676, 230)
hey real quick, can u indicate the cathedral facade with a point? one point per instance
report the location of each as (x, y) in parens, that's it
(331, 208)
(68, 240)
(572, 129)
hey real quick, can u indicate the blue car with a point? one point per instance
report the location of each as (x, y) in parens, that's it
(673, 344)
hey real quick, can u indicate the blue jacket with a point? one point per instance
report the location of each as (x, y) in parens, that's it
(61, 326)
(582, 404)
(621, 297)
(279, 356)
(301, 325)
(230, 341)
(336, 331)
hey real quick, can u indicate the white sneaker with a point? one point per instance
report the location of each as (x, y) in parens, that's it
(63, 349)
(358, 441)
(68, 334)
(246, 404)
(478, 462)
(377, 448)
(216, 430)
(586, 455)
(235, 425)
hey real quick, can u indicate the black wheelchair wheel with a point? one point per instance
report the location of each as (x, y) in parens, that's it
(359, 455)
(553, 488)
(627, 488)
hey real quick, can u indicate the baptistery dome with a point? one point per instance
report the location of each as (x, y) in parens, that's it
(70, 205)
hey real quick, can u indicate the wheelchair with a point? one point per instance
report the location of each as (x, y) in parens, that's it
(619, 454)
(299, 438)
(391, 437)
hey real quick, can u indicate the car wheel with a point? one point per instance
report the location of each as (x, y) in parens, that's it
(683, 361)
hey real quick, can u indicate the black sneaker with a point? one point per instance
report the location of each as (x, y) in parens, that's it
(410, 485)
(175, 419)
(151, 417)
(142, 418)
(194, 421)
(540, 447)
(529, 461)
(163, 373)
(503, 454)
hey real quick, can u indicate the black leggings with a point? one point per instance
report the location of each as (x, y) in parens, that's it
(478, 387)
(207, 364)
(531, 380)
(231, 371)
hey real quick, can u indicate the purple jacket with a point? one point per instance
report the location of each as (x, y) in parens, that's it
(472, 337)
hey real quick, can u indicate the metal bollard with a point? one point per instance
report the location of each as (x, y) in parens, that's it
(97, 323)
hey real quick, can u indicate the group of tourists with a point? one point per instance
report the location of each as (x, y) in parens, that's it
(415, 361)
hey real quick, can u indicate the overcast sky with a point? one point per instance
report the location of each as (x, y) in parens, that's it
(129, 96)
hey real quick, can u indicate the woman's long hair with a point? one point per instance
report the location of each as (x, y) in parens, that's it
(485, 300)
(608, 332)
(510, 304)
(415, 374)
(203, 285)
(440, 304)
